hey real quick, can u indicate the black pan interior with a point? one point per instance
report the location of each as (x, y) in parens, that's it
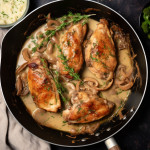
(11, 47)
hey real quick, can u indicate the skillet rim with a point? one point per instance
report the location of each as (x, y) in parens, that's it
(146, 81)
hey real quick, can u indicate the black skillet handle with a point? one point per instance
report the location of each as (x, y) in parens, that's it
(111, 144)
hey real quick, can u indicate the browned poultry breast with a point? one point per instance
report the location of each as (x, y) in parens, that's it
(87, 108)
(71, 45)
(41, 85)
(100, 54)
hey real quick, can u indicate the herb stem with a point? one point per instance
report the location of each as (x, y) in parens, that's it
(66, 66)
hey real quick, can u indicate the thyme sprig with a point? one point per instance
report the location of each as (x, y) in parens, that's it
(66, 66)
(67, 20)
(59, 86)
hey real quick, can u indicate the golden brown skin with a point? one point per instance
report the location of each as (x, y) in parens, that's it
(100, 54)
(87, 108)
(41, 85)
(71, 45)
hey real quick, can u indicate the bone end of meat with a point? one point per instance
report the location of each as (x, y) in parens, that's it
(86, 111)
(42, 87)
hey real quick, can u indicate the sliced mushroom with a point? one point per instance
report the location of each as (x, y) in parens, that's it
(55, 39)
(91, 80)
(22, 85)
(78, 85)
(51, 59)
(105, 87)
(39, 41)
(21, 68)
(19, 85)
(25, 89)
(71, 88)
(38, 35)
(41, 50)
(71, 85)
(89, 88)
(125, 81)
(49, 16)
(25, 54)
(126, 86)
(52, 24)
(36, 54)
(50, 48)
(107, 76)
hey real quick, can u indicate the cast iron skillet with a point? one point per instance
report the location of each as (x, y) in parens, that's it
(11, 47)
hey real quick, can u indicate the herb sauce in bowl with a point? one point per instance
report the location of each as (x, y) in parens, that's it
(11, 11)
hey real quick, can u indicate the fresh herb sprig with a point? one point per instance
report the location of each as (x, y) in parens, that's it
(67, 20)
(66, 66)
(93, 58)
(59, 86)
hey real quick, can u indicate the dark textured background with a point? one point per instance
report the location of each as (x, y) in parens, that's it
(136, 135)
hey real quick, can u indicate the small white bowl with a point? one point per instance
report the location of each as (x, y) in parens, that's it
(9, 25)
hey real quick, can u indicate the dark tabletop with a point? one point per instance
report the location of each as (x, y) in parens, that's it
(136, 135)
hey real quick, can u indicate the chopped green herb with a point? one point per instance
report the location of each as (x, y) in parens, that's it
(41, 35)
(112, 55)
(4, 14)
(5, 0)
(59, 86)
(97, 53)
(101, 95)
(84, 22)
(46, 120)
(79, 109)
(48, 88)
(34, 49)
(66, 66)
(32, 37)
(68, 43)
(67, 20)
(94, 44)
(119, 91)
(93, 58)
(104, 65)
(82, 82)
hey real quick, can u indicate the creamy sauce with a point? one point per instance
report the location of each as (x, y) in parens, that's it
(11, 10)
(55, 120)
